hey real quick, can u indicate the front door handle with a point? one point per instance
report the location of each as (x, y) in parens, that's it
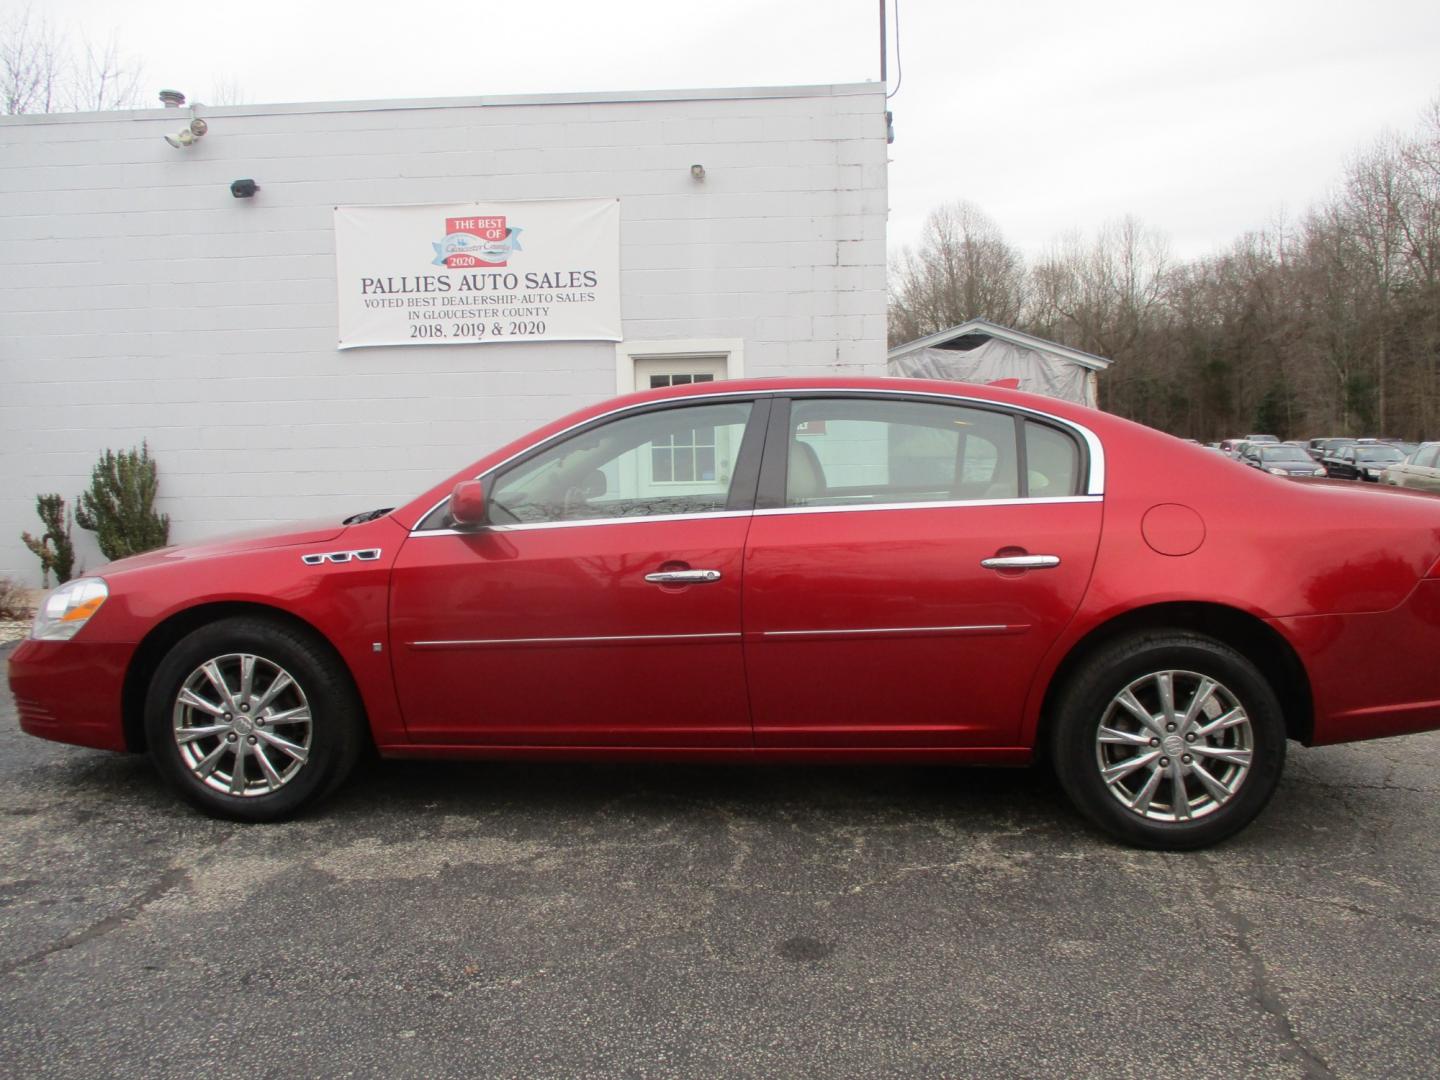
(1021, 562)
(683, 577)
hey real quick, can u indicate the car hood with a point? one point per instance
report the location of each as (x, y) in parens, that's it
(312, 532)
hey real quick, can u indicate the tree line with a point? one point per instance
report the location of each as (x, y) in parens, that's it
(43, 70)
(1329, 325)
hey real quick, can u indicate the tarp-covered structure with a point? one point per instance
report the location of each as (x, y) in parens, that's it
(980, 351)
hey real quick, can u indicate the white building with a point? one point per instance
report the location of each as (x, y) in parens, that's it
(139, 300)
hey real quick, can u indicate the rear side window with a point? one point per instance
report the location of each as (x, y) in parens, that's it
(1425, 457)
(854, 452)
(1052, 462)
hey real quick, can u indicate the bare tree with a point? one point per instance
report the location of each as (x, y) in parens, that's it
(227, 90)
(1102, 295)
(30, 63)
(41, 72)
(102, 79)
(963, 268)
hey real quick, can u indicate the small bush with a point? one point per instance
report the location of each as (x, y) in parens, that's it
(52, 547)
(119, 508)
(14, 600)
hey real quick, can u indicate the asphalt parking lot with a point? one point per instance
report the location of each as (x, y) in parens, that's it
(598, 921)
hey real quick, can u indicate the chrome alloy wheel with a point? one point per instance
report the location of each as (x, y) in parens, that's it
(242, 725)
(1174, 746)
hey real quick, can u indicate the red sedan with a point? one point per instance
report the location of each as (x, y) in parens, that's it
(780, 570)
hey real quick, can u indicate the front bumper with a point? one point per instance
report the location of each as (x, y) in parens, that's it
(71, 691)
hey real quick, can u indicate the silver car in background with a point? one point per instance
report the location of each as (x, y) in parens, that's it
(1420, 470)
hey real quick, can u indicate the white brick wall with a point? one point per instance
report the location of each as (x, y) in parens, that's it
(139, 300)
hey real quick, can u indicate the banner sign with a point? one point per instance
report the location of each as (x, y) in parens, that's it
(469, 273)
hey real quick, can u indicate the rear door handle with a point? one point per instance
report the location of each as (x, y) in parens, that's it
(1021, 562)
(683, 577)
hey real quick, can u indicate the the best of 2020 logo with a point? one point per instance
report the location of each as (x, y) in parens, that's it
(476, 241)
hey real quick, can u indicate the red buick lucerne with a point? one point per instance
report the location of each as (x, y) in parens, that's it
(811, 570)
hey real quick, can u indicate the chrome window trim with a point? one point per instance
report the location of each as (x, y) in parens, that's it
(1094, 487)
(774, 512)
(633, 520)
(955, 504)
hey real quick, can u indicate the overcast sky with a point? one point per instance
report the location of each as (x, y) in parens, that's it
(1205, 120)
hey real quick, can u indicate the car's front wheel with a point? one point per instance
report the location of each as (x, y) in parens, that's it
(251, 719)
(1169, 740)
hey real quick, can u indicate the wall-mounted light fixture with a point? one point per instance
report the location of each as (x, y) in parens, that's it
(188, 134)
(244, 189)
(697, 172)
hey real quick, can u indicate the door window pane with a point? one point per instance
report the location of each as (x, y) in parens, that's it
(854, 452)
(1425, 459)
(672, 461)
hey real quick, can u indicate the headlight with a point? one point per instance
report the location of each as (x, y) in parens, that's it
(1277, 472)
(1318, 472)
(69, 608)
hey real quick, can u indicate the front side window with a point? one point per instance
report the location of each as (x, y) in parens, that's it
(669, 461)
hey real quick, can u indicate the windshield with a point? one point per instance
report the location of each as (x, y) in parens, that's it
(1378, 454)
(1284, 453)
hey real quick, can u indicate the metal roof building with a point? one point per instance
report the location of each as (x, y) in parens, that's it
(980, 351)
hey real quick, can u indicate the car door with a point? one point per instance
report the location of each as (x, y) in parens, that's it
(601, 606)
(910, 562)
(1421, 470)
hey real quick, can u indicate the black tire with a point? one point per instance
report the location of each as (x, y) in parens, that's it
(320, 690)
(1142, 663)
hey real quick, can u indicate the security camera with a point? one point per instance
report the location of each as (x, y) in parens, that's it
(244, 189)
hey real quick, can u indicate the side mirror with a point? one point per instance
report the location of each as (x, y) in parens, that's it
(467, 504)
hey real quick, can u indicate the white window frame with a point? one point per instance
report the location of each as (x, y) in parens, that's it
(627, 352)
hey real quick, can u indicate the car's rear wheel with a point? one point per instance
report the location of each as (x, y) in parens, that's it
(251, 719)
(1169, 740)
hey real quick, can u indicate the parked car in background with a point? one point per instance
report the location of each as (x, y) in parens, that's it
(1280, 460)
(1419, 471)
(782, 570)
(1322, 446)
(1361, 461)
(1262, 438)
(1231, 446)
